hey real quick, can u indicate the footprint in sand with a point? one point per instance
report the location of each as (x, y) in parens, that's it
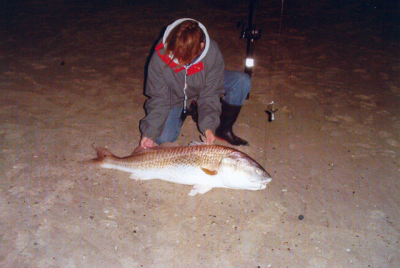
(364, 97)
(395, 90)
(377, 214)
(384, 134)
(396, 125)
(384, 76)
(367, 102)
(362, 73)
(363, 150)
(120, 70)
(393, 142)
(38, 66)
(350, 125)
(337, 118)
(306, 95)
(388, 153)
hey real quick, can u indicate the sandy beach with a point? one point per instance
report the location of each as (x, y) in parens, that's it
(72, 77)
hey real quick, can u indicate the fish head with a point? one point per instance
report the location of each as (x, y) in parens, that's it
(239, 171)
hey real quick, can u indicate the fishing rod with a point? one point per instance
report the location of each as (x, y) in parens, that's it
(251, 33)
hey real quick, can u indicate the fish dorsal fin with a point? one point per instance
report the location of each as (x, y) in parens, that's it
(138, 150)
(166, 145)
(209, 171)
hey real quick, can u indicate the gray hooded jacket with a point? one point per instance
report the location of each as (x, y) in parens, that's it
(166, 88)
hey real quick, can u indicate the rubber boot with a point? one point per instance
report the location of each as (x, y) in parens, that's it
(228, 117)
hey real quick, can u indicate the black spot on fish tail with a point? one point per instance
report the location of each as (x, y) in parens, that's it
(102, 153)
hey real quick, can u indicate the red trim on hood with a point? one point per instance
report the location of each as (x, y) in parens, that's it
(195, 68)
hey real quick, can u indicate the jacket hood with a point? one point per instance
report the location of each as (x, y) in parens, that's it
(207, 45)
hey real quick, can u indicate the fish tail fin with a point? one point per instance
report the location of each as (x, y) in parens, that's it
(102, 154)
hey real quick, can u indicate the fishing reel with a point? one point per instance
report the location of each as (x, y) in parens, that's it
(271, 111)
(249, 32)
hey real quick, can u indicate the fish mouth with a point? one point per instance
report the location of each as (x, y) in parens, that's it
(266, 181)
(264, 184)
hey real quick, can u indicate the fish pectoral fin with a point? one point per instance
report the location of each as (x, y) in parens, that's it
(199, 189)
(210, 172)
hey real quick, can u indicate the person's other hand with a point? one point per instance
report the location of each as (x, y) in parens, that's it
(210, 137)
(146, 143)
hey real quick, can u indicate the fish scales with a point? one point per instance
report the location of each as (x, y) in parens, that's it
(204, 166)
(189, 155)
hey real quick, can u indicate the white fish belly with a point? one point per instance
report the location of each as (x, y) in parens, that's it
(188, 175)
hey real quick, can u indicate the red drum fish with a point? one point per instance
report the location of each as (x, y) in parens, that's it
(203, 166)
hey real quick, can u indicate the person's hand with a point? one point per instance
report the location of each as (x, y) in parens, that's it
(210, 137)
(146, 143)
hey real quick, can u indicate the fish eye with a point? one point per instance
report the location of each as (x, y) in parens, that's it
(258, 171)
